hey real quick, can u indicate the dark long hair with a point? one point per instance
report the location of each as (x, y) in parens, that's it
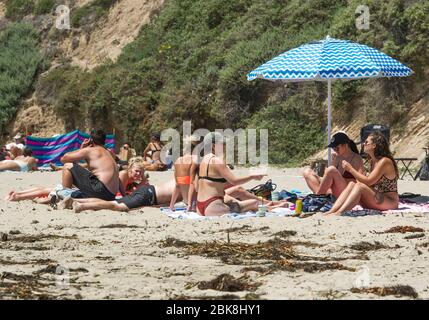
(382, 148)
(353, 146)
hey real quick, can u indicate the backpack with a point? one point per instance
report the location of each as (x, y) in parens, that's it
(264, 190)
(317, 203)
(424, 170)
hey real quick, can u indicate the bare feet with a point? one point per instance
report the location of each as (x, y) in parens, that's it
(77, 207)
(11, 196)
(67, 203)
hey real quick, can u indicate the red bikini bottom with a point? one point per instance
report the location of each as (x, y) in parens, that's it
(202, 205)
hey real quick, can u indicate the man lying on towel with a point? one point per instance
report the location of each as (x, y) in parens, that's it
(144, 196)
(101, 180)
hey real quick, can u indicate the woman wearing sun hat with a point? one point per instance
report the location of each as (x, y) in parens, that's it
(335, 178)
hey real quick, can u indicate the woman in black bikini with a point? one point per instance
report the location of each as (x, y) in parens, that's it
(214, 174)
(335, 178)
(378, 190)
(152, 154)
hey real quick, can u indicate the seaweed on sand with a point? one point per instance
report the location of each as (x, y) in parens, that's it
(40, 237)
(278, 254)
(22, 287)
(220, 297)
(368, 246)
(397, 291)
(285, 233)
(402, 229)
(119, 226)
(226, 282)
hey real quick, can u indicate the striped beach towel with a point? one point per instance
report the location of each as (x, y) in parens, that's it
(50, 150)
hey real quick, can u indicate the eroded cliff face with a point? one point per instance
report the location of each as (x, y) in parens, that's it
(88, 46)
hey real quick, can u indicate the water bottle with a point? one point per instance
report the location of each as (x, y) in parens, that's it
(298, 207)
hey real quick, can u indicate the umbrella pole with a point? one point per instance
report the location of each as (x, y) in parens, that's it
(329, 120)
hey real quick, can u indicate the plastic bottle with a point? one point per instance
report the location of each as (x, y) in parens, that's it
(298, 207)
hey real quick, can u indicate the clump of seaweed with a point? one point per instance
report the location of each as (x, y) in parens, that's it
(285, 233)
(22, 287)
(119, 226)
(220, 297)
(397, 291)
(368, 246)
(415, 236)
(310, 267)
(226, 282)
(40, 237)
(402, 229)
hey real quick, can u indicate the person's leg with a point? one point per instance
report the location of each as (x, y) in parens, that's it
(332, 180)
(216, 208)
(311, 178)
(99, 205)
(30, 194)
(67, 177)
(342, 198)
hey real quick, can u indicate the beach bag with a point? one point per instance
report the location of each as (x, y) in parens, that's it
(317, 203)
(264, 190)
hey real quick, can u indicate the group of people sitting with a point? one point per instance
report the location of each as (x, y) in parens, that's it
(207, 184)
(348, 181)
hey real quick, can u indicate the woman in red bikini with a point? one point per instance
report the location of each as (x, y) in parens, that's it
(214, 174)
(335, 178)
(378, 190)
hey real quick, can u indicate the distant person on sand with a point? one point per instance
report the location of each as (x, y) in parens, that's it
(152, 154)
(101, 179)
(23, 163)
(335, 178)
(378, 190)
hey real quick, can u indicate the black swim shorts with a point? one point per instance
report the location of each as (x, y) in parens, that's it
(144, 196)
(89, 184)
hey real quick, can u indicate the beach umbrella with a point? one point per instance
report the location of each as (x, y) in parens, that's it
(328, 60)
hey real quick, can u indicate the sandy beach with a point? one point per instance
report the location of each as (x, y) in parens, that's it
(143, 254)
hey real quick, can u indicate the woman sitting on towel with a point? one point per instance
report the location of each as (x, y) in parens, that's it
(23, 163)
(214, 174)
(378, 190)
(335, 178)
(186, 173)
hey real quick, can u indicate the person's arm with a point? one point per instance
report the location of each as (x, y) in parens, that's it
(360, 166)
(33, 164)
(123, 182)
(174, 197)
(374, 175)
(75, 156)
(146, 151)
(192, 190)
(226, 173)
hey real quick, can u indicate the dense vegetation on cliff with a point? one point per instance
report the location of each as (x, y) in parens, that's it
(191, 63)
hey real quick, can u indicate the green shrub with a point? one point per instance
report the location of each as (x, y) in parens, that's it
(91, 12)
(44, 6)
(19, 62)
(17, 9)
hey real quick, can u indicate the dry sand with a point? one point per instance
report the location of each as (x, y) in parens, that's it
(133, 261)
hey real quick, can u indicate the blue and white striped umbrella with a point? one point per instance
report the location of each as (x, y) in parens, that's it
(328, 60)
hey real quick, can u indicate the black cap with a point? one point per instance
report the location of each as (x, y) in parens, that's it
(337, 139)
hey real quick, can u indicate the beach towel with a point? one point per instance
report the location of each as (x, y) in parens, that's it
(50, 150)
(181, 213)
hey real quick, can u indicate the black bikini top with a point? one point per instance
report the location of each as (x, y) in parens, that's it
(206, 177)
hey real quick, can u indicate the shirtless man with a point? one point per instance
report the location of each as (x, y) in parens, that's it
(101, 180)
(144, 196)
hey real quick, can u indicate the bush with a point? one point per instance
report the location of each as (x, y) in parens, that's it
(17, 9)
(44, 6)
(91, 12)
(19, 62)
